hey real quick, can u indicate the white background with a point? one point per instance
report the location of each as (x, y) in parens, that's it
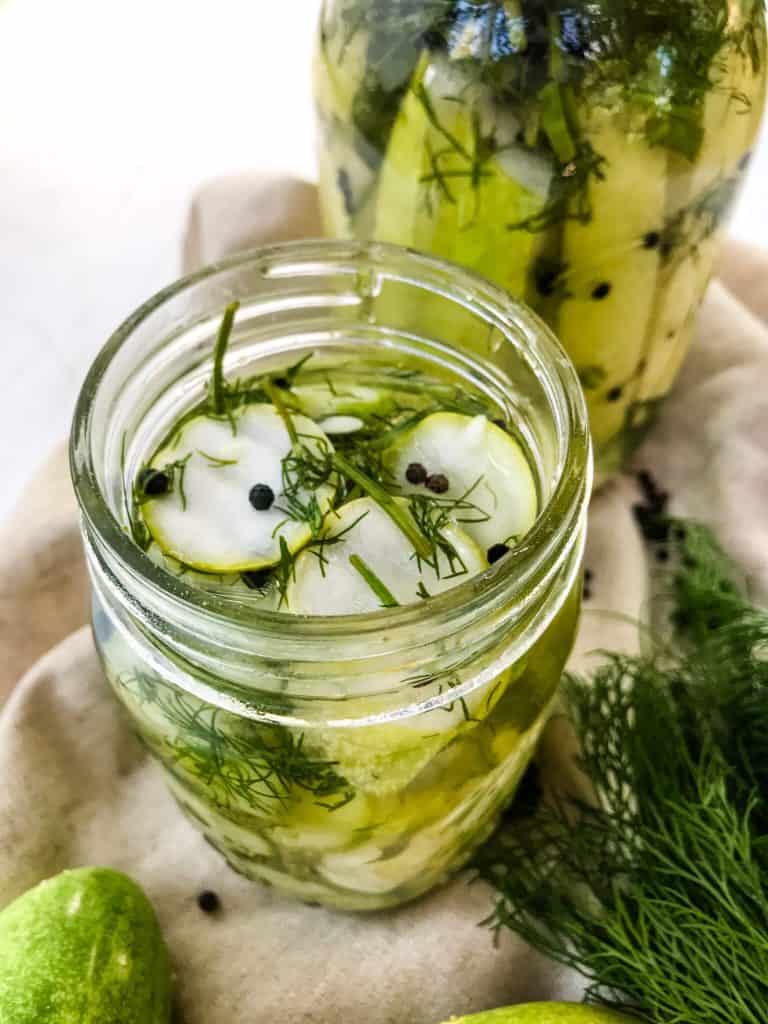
(111, 113)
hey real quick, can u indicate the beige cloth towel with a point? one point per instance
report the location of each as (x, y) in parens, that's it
(78, 789)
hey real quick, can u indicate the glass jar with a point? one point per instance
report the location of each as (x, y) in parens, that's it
(349, 760)
(582, 155)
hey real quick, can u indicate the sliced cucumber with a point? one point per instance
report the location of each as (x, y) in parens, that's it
(326, 582)
(489, 479)
(312, 828)
(442, 190)
(681, 289)
(682, 283)
(610, 275)
(380, 759)
(206, 519)
(206, 814)
(346, 181)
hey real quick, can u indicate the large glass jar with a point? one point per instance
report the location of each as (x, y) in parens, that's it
(583, 155)
(353, 760)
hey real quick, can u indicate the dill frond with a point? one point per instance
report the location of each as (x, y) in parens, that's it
(656, 892)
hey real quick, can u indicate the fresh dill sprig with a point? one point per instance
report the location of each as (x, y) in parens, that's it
(273, 392)
(284, 573)
(236, 761)
(285, 570)
(172, 475)
(433, 513)
(218, 386)
(307, 468)
(215, 462)
(377, 585)
(288, 377)
(655, 889)
(569, 194)
(398, 513)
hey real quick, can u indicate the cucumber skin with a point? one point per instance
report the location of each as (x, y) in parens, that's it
(546, 1013)
(83, 946)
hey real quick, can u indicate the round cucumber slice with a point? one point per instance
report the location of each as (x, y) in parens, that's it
(363, 547)
(480, 463)
(207, 518)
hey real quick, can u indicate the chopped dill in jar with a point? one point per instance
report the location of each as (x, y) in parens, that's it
(248, 488)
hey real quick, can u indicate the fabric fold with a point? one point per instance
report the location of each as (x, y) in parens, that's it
(79, 789)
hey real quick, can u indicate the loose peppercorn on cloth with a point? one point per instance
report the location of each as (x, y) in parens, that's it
(78, 789)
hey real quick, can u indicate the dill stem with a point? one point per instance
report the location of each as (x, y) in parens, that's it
(273, 394)
(222, 341)
(377, 585)
(399, 515)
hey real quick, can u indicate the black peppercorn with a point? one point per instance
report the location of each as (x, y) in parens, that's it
(601, 290)
(261, 497)
(208, 901)
(495, 552)
(416, 473)
(255, 579)
(614, 394)
(500, 423)
(437, 483)
(154, 482)
(651, 239)
(662, 555)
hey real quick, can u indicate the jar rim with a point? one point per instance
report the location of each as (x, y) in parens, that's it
(557, 520)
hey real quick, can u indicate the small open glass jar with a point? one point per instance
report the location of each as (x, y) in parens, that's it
(350, 760)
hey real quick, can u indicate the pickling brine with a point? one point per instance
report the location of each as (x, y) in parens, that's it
(584, 156)
(355, 568)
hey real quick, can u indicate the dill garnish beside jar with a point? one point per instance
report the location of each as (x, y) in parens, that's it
(584, 156)
(335, 558)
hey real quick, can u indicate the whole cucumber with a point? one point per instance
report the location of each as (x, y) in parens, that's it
(83, 946)
(546, 1013)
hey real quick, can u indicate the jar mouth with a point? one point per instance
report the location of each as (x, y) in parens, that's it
(501, 584)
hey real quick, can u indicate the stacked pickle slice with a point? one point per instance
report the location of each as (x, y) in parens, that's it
(583, 156)
(400, 500)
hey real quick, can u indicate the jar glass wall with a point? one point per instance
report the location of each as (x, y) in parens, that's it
(353, 760)
(584, 156)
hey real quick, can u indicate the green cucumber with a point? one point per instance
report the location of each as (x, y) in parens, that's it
(444, 190)
(728, 132)
(83, 946)
(326, 580)
(611, 276)
(546, 1013)
(487, 475)
(345, 177)
(216, 463)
